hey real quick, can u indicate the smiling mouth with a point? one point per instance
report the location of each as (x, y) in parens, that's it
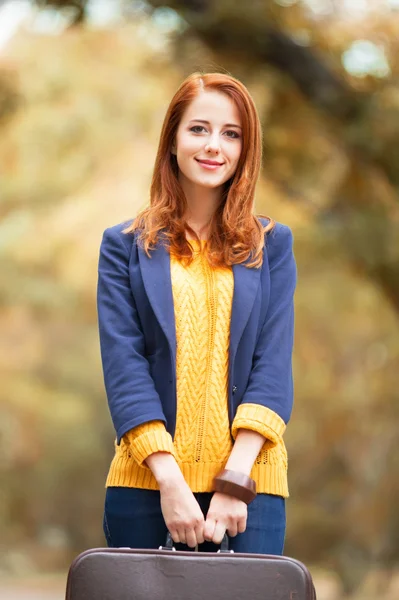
(209, 165)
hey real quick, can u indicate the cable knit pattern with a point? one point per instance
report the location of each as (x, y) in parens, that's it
(202, 443)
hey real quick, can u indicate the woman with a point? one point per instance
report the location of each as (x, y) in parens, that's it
(196, 321)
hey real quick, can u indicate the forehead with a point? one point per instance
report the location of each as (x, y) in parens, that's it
(213, 106)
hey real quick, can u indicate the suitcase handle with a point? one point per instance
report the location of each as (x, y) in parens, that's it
(224, 546)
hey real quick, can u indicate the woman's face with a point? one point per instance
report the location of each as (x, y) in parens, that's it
(210, 129)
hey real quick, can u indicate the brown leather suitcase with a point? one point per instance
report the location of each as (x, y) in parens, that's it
(166, 574)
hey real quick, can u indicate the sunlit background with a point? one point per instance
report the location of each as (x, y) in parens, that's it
(84, 87)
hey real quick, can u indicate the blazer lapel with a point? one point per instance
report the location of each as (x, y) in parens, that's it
(158, 285)
(157, 281)
(246, 283)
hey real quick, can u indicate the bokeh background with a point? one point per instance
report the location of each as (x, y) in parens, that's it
(84, 86)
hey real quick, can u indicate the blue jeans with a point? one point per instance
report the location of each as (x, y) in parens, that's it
(133, 518)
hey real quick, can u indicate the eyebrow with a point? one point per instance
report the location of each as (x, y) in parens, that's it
(207, 123)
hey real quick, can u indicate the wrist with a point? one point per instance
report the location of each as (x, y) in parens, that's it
(239, 464)
(246, 448)
(172, 482)
(165, 469)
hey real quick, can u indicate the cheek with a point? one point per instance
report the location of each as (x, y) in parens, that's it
(237, 152)
(234, 157)
(188, 146)
(232, 151)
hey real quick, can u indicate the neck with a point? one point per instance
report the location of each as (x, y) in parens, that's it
(202, 202)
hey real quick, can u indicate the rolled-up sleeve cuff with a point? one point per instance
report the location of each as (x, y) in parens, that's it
(148, 438)
(261, 419)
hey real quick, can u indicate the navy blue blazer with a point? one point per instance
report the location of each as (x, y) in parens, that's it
(138, 337)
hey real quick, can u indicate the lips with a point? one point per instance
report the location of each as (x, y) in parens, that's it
(209, 162)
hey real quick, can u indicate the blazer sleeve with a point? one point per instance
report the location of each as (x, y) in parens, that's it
(132, 397)
(267, 402)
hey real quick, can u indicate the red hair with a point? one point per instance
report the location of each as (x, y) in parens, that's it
(235, 232)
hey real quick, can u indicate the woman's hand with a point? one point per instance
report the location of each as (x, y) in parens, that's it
(225, 513)
(182, 513)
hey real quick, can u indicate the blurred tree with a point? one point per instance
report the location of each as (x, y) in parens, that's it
(77, 7)
(261, 33)
(10, 99)
(93, 92)
(255, 34)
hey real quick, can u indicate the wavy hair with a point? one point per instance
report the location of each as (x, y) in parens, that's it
(235, 232)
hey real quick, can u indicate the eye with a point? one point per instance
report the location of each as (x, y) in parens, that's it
(235, 133)
(236, 136)
(196, 127)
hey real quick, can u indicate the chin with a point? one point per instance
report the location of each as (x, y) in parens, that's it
(209, 184)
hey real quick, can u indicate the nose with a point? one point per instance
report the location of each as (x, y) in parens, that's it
(213, 144)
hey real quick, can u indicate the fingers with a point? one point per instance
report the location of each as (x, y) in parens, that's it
(191, 538)
(219, 532)
(232, 531)
(182, 535)
(242, 525)
(199, 532)
(209, 528)
(193, 529)
(183, 515)
(214, 530)
(174, 535)
(188, 535)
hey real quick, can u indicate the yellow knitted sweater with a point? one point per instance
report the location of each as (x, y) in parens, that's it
(202, 297)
